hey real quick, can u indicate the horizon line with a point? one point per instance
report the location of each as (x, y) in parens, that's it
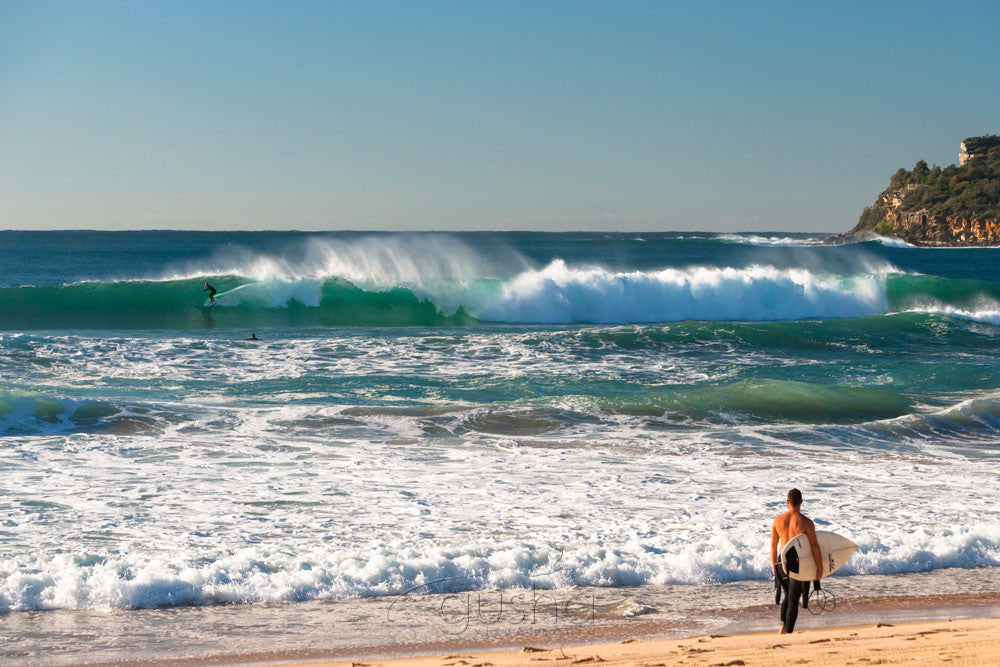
(413, 231)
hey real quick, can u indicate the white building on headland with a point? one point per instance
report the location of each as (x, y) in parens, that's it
(980, 144)
(963, 155)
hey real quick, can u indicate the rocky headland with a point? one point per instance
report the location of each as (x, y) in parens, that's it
(958, 205)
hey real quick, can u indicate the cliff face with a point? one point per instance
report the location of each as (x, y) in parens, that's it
(954, 206)
(923, 228)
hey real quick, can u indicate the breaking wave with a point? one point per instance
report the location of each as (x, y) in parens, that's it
(556, 293)
(438, 281)
(257, 574)
(891, 241)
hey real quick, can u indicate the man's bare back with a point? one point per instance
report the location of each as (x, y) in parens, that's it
(788, 525)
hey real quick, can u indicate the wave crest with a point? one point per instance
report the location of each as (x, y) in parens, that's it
(554, 294)
(561, 294)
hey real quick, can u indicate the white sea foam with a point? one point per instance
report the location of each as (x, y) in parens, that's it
(263, 575)
(562, 294)
(678, 528)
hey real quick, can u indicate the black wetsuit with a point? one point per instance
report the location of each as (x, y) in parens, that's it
(211, 292)
(793, 589)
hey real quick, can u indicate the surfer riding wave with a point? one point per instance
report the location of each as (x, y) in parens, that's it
(211, 293)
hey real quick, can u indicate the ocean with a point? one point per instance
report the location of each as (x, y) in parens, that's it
(481, 412)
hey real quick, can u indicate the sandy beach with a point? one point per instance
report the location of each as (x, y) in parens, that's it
(962, 642)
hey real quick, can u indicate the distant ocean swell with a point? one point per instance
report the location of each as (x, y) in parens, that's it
(134, 580)
(555, 294)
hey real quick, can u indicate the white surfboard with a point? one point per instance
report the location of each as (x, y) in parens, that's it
(797, 557)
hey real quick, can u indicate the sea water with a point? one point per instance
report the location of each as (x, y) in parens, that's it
(481, 411)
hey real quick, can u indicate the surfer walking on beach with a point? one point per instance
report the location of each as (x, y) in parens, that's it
(211, 293)
(785, 527)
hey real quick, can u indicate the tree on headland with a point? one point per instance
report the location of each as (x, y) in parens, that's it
(898, 179)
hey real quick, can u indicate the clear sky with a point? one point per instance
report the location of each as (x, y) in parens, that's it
(480, 115)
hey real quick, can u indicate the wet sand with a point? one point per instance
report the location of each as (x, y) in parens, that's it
(963, 642)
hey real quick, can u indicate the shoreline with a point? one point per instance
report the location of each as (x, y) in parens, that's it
(746, 628)
(395, 627)
(392, 628)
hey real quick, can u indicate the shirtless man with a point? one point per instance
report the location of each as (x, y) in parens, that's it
(785, 527)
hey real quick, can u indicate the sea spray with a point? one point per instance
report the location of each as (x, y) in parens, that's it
(369, 261)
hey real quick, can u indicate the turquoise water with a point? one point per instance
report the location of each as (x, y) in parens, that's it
(481, 410)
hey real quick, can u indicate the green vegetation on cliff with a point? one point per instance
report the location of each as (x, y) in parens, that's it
(969, 191)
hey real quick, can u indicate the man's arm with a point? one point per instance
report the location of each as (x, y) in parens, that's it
(774, 550)
(814, 543)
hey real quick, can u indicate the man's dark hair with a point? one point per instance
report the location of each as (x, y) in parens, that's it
(795, 497)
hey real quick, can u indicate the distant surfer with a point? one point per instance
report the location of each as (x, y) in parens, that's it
(785, 527)
(253, 336)
(211, 293)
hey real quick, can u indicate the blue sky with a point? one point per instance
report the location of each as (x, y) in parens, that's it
(473, 115)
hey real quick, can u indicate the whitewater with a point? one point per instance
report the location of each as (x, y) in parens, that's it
(481, 412)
